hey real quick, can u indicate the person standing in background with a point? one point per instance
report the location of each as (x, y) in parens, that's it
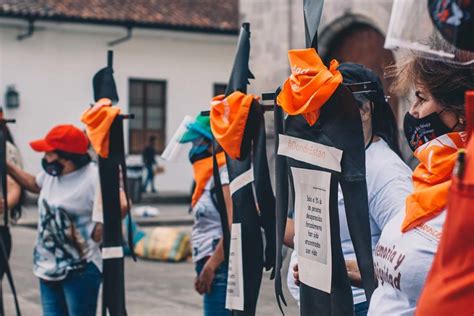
(149, 162)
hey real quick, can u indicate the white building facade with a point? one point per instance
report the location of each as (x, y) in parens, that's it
(52, 71)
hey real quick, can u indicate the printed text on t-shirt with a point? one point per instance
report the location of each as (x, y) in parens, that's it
(391, 257)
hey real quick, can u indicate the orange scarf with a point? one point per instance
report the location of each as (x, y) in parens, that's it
(310, 85)
(98, 120)
(228, 120)
(432, 179)
(203, 169)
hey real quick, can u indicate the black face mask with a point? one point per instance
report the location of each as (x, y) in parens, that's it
(53, 168)
(421, 131)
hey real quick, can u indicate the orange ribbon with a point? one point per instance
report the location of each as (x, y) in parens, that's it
(310, 85)
(228, 120)
(432, 179)
(98, 120)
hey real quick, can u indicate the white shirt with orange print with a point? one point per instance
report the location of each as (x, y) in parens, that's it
(402, 262)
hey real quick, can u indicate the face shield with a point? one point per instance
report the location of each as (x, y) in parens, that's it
(177, 150)
(441, 30)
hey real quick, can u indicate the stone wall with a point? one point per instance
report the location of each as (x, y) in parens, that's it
(278, 25)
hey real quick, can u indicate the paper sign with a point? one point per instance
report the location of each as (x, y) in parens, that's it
(235, 277)
(312, 227)
(241, 181)
(310, 152)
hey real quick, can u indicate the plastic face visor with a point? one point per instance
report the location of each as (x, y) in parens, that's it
(176, 151)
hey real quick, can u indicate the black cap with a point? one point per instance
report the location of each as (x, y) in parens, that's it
(354, 73)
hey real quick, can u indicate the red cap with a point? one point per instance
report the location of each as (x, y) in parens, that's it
(67, 138)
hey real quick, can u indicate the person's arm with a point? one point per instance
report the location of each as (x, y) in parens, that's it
(23, 178)
(228, 204)
(296, 274)
(354, 273)
(204, 281)
(14, 194)
(288, 239)
(123, 204)
(97, 212)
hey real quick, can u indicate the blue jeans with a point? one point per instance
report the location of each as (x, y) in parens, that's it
(214, 302)
(149, 179)
(76, 295)
(361, 309)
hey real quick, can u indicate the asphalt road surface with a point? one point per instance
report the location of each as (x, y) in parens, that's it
(153, 288)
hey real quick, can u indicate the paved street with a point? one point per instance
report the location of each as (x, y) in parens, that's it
(153, 288)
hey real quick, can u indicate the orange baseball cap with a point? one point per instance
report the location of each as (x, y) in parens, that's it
(67, 138)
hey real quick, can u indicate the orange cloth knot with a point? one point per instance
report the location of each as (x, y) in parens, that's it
(310, 85)
(98, 120)
(228, 120)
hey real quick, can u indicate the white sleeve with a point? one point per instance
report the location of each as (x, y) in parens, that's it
(389, 200)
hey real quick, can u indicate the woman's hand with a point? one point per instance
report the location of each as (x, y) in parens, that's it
(296, 274)
(97, 233)
(14, 195)
(203, 282)
(354, 273)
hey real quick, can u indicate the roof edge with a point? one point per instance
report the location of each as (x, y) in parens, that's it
(124, 23)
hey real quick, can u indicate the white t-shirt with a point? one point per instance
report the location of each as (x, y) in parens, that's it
(388, 184)
(402, 262)
(65, 223)
(207, 228)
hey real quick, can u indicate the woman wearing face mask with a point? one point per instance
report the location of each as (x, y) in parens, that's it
(434, 129)
(388, 177)
(66, 258)
(206, 237)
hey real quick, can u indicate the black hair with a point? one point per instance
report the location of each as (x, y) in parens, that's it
(384, 124)
(79, 160)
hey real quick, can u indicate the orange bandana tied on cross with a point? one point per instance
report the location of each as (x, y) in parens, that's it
(98, 120)
(228, 120)
(432, 179)
(203, 169)
(310, 85)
